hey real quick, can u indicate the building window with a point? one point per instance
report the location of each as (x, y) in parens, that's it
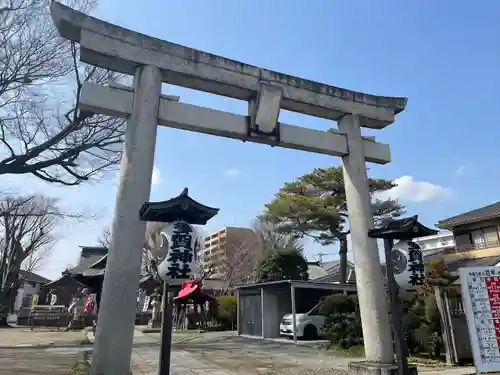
(484, 236)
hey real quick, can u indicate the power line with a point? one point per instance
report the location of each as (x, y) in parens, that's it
(319, 256)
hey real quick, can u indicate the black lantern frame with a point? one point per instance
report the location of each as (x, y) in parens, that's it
(180, 208)
(404, 229)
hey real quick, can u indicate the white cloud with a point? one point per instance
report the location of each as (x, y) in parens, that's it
(156, 180)
(232, 173)
(410, 190)
(461, 170)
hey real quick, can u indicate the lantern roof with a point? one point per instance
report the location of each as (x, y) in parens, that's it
(402, 229)
(182, 207)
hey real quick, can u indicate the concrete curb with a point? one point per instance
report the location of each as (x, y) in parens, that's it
(46, 346)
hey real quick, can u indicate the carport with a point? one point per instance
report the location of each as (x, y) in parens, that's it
(261, 306)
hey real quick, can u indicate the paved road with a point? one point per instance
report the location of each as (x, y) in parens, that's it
(222, 353)
(208, 354)
(35, 362)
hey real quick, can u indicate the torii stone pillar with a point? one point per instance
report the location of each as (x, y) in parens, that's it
(371, 293)
(112, 47)
(112, 349)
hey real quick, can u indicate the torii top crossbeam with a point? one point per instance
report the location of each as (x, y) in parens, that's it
(119, 49)
(153, 61)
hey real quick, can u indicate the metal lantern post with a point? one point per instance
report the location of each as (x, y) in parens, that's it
(403, 230)
(176, 267)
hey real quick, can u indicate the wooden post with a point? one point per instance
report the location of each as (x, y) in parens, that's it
(453, 343)
(294, 317)
(445, 326)
(166, 330)
(262, 307)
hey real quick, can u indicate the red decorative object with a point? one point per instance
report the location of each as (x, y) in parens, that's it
(493, 287)
(89, 305)
(189, 287)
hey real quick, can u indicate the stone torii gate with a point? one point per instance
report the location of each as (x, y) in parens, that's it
(152, 61)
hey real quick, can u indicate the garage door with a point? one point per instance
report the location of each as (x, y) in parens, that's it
(250, 310)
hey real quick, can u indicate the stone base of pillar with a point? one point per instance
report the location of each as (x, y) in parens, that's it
(371, 368)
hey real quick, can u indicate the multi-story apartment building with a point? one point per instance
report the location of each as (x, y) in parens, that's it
(223, 244)
(437, 243)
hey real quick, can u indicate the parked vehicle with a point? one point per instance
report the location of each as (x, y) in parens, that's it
(308, 326)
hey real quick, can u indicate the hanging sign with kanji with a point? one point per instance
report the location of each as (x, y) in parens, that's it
(179, 264)
(408, 264)
(481, 299)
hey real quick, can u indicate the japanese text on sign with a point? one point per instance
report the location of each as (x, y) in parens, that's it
(415, 265)
(180, 260)
(481, 298)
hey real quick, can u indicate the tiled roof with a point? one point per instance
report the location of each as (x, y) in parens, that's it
(487, 212)
(65, 278)
(33, 277)
(101, 263)
(315, 271)
(88, 257)
(329, 265)
(335, 277)
(331, 272)
(473, 262)
(93, 272)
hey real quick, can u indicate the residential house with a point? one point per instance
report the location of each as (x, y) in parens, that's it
(477, 236)
(329, 272)
(31, 285)
(477, 244)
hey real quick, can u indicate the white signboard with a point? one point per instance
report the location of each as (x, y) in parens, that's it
(481, 300)
(53, 299)
(179, 264)
(408, 264)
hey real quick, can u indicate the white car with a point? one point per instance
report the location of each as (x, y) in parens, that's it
(307, 326)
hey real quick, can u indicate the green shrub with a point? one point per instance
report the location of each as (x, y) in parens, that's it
(343, 322)
(226, 311)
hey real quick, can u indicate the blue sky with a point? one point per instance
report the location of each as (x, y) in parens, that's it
(442, 55)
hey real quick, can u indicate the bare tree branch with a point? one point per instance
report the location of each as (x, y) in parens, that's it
(42, 131)
(27, 226)
(152, 249)
(237, 264)
(272, 237)
(105, 238)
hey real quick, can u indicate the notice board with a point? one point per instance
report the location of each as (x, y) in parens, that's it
(481, 300)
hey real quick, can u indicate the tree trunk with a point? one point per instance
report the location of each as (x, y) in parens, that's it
(343, 258)
(5, 308)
